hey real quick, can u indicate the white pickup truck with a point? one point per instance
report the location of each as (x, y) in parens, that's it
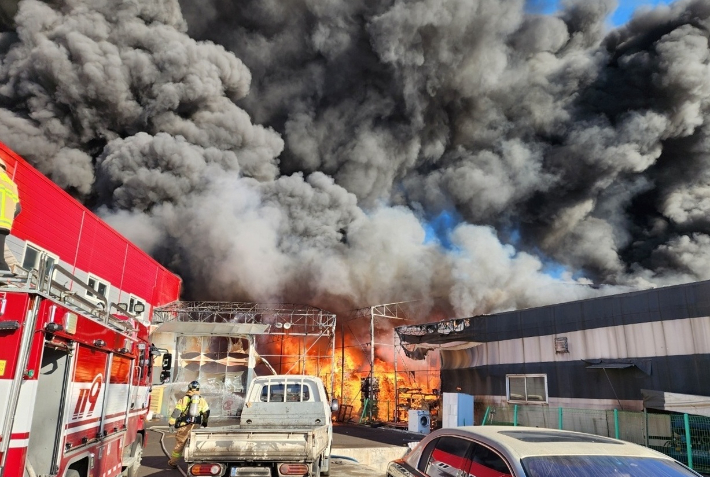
(285, 430)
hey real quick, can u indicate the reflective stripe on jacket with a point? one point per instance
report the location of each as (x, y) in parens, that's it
(9, 199)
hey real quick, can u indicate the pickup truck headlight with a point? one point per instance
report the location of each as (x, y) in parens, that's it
(206, 469)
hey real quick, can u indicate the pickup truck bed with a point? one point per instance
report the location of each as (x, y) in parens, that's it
(236, 442)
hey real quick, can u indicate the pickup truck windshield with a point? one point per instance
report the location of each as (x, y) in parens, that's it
(292, 393)
(602, 466)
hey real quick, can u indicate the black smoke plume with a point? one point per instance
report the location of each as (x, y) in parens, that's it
(306, 150)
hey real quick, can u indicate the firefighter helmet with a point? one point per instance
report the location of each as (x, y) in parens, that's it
(193, 386)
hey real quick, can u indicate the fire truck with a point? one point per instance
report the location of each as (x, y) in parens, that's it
(75, 354)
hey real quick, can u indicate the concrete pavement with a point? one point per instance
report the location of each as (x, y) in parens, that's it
(372, 448)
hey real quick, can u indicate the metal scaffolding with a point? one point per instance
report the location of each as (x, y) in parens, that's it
(390, 311)
(265, 326)
(282, 318)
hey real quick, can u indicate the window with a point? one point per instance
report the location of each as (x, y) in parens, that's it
(527, 388)
(293, 393)
(100, 287)
(426, 454)
(449, 457)
(33, 255)
(485, 462)
(600, 465)
(453, 456)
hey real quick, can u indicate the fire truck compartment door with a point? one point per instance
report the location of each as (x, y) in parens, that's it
(48, 414)
(191, 328)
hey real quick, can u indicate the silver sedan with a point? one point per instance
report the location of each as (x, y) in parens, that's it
(505, 451)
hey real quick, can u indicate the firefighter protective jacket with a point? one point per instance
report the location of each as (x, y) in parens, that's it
(9, 200)
(180, 416)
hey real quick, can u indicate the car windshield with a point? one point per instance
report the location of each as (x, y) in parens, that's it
(602, 466)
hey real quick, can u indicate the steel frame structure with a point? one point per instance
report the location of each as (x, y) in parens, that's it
(309, 324)
(392, 311)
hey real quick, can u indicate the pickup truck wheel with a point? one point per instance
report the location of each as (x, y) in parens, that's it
(315, 469)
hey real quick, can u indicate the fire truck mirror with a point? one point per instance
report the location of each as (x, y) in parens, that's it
(164, 377)
(167, 362)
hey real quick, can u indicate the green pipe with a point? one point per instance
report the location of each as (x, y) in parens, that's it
(616, 423)
(515, 415)
(559, 417)
(689, 447)
(485, 416)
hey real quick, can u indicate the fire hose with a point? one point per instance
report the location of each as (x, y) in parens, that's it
(162, 430)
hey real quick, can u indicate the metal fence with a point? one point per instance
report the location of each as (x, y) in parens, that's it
(684, 437)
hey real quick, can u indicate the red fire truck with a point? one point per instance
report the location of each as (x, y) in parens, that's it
(75, 355)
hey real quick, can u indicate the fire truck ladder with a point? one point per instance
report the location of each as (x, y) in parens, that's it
(44, 281)
(41, 282)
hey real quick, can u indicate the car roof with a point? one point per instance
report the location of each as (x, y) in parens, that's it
(523, 442)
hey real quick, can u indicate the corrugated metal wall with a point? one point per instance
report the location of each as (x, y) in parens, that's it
(656, 339)
(54, 221)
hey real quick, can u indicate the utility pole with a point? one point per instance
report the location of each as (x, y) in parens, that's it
(392, 311)
(395, 418)
(372, 356)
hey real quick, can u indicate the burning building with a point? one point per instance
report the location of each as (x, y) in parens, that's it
(224, 345)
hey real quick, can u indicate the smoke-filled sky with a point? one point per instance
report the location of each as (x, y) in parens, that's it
(471, 154)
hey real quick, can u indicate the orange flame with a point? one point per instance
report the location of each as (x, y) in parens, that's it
(417, 385)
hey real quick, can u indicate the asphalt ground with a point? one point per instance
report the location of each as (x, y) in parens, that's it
(350, 441)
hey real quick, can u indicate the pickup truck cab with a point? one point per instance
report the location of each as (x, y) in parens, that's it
(285, 430)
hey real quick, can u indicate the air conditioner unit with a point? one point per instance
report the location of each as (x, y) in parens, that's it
(419, 421)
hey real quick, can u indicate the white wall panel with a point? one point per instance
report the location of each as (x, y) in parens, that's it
(682, 334)
(531, 349)
(700, 330)
(666, 338)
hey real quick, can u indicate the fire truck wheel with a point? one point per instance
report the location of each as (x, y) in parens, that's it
(137, 454)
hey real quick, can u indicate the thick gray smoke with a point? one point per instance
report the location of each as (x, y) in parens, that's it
(346, 153)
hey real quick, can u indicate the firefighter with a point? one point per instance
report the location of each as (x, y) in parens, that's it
(9, 208)
(190, 411)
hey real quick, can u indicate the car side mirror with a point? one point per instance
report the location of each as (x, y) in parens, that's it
(334, 405)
